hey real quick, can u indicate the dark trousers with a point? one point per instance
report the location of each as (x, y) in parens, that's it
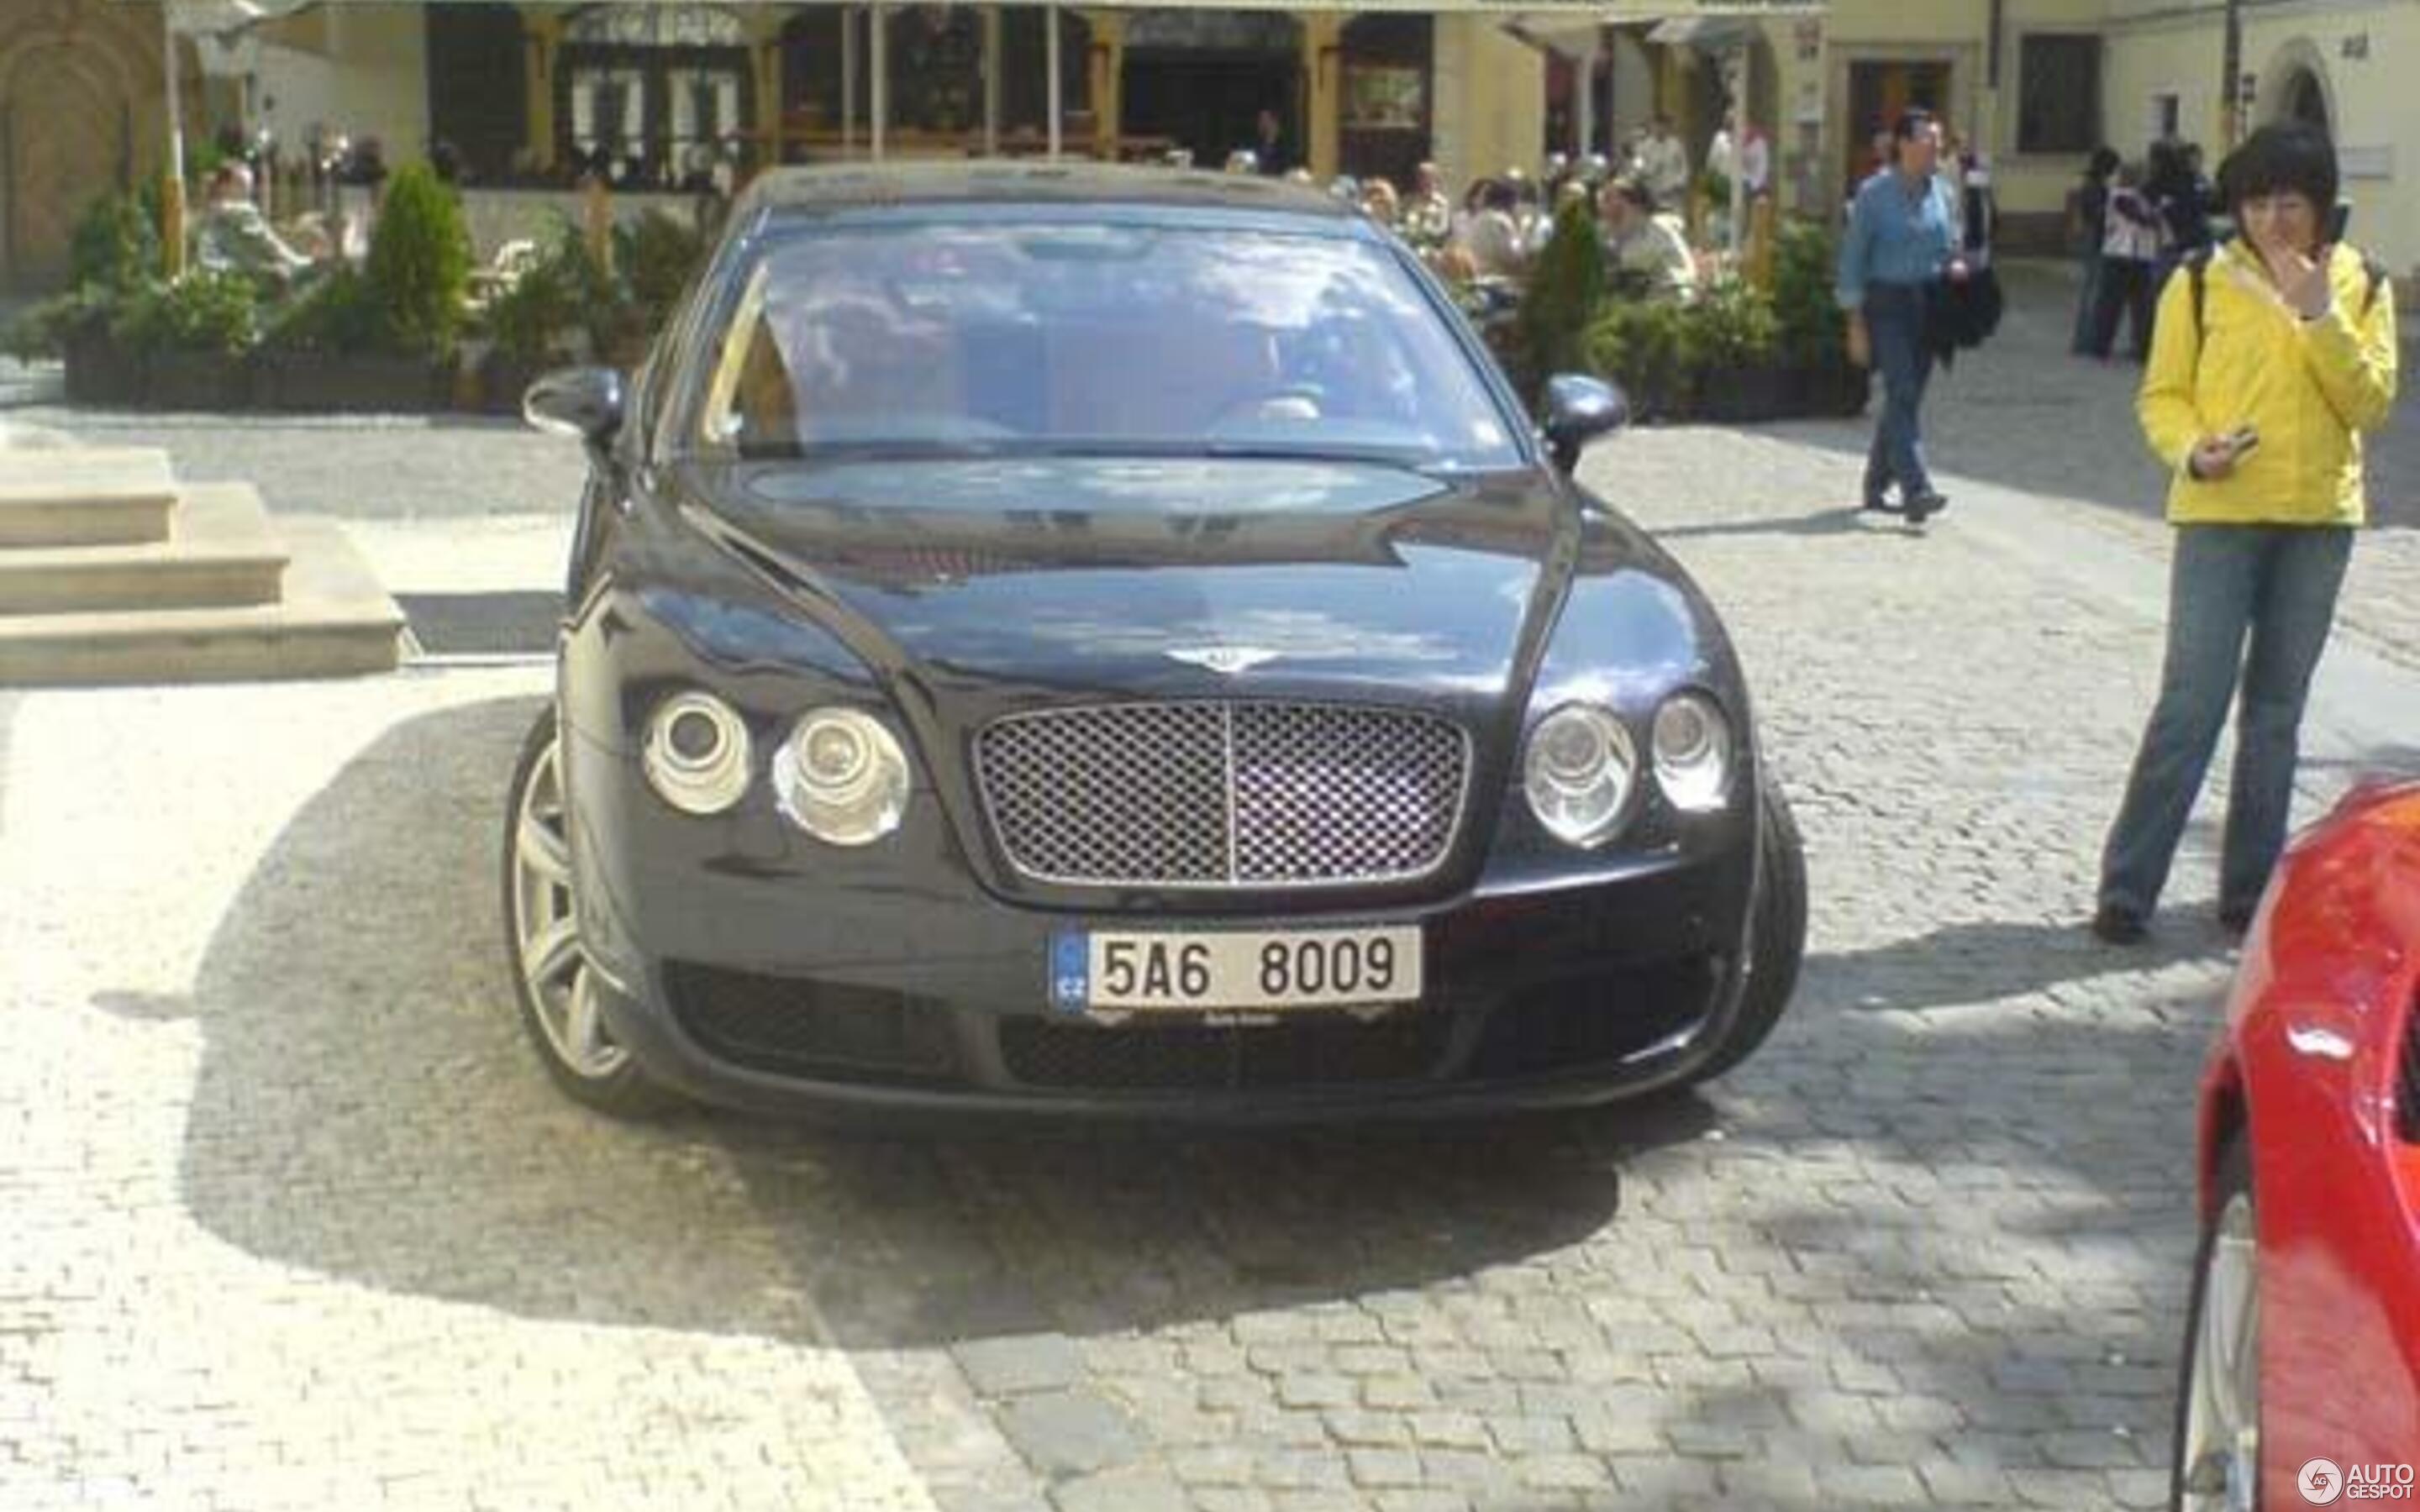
(2126, 288)
(2250, 604)
(1894, 319)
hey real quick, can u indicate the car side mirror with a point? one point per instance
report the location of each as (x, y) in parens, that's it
(1580, 408)
(585, 402)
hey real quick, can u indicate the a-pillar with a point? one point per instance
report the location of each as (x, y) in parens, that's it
(1323, 66)
(541, 47)
(1107, 61)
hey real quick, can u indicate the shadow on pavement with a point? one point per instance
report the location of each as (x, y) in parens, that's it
(1966, 964)
(508, 622)
(366, 1106)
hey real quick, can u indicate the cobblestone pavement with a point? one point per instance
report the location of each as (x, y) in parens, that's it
(2030, 417)
(294, 1220)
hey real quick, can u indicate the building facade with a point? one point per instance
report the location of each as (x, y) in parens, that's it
(668, 95)
(82, 112)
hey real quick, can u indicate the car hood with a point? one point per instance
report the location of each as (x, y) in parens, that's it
(1175, 576)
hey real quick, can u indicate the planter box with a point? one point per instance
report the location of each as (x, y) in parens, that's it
(1742, 394)
(351, 384)
(194, 381)
(98, 372)
(1838, 392)
(503, 381)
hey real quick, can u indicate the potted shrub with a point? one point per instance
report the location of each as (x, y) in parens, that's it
(1818, 376)
(1567, 283)
(420, 263)
(321, 351)
(537, 322)
(655, 257)
(189, 338)
(1731, 337)
(383, 338)
(1642, 345)
(115, 251)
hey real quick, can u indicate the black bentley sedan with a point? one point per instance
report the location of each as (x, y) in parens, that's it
(1091, 641)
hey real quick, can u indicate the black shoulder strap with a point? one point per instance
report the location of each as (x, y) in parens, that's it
(2197, 267)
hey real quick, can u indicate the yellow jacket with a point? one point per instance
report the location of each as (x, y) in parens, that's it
(2310, 388)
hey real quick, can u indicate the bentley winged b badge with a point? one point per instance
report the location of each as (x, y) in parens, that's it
(1225, 660)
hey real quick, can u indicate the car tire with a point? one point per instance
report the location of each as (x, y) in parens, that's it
(1777, 936)
(2214, 1467)
(553, 981)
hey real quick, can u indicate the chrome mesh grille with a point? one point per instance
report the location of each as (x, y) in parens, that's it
(1212, 795)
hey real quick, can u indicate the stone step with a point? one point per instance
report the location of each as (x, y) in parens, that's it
(85, 495)
(334, 620)
(221, 551)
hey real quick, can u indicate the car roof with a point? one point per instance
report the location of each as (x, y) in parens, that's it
(891, 186)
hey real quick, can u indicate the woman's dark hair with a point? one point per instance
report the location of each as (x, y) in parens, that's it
(2103, 164)
(1910, 124)
(2289, 157)
(1501, 195)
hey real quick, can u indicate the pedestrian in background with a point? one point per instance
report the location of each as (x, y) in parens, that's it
(2131, 237)
(2087, 223)
(2273, 355)
(1901, 245)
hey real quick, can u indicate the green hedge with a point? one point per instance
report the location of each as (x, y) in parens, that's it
(1734, 352)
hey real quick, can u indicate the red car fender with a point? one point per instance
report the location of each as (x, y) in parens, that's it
(2311, 1064)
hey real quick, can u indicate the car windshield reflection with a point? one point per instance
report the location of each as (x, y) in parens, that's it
(987, 340)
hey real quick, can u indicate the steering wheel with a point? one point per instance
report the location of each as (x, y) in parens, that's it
(1290, 401)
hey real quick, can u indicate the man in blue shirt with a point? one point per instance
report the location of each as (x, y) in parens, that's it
(1900, 246)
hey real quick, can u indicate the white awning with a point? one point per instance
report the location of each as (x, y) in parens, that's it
(1544, 12)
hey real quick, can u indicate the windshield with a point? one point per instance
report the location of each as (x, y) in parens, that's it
(1115, 339)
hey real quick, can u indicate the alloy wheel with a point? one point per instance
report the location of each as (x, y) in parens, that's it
(545, 929)
(2221, 1453)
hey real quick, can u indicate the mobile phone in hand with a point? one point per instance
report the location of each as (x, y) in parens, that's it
(2339, 217)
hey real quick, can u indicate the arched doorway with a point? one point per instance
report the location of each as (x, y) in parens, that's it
(80, 116)
(2294, 88)
(1201, 78)
(2307, 99)
(66, 145)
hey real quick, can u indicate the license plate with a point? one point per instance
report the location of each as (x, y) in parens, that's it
(1234, 970)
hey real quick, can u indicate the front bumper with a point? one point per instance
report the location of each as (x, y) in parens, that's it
(749, 968)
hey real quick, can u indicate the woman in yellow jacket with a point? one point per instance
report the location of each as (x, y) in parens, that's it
(2267, 366)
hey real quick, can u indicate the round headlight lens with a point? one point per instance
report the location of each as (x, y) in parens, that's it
(842, 778)
(696, 753)
(1579, 772)
(1693, 753)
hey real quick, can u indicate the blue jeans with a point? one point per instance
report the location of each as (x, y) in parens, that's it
(1895, 321)
(2274, 586)
(2088, 300)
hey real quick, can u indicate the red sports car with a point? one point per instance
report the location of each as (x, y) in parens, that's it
(2302, 1373)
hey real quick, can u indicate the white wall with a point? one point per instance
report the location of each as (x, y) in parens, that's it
(371, 81)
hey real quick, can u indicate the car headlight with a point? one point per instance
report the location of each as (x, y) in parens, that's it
(696, 753)
(842, 778)
(1693, 753)
(1578, 773)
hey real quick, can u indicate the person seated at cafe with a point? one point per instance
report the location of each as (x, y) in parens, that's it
(1647, 250)
(1493, 235)
(234, 236)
